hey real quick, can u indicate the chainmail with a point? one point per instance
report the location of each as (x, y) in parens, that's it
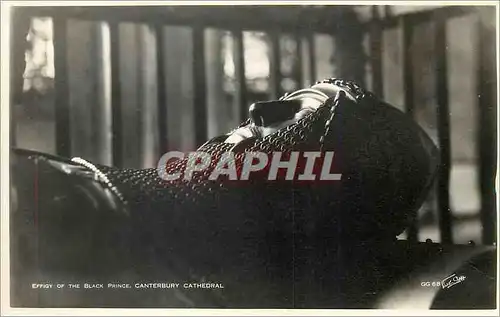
(386, 170)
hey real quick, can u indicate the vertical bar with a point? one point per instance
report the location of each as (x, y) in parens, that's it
(19, 29)
(443, 113)
(219, 119)
(128, 83)
(312, 57)
(82, 71)
(239, 68)
(407, 33)
(487, 98)
(349, 54)
(162, 90)
(200, 93)
(299, 76)
(387, 11)
(275, 65)
(148, 94)
(116, 97)
(103, 113)
(139, 107)
(62, 112)
(376, 53)
(88, 68)
(305, 64)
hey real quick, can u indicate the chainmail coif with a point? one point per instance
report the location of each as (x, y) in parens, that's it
(387, 164)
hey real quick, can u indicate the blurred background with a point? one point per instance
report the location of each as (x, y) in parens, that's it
(122, 85)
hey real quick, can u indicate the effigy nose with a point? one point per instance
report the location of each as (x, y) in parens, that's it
(266, 113)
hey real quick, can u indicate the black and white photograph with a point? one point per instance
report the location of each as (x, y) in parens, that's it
(287, 157)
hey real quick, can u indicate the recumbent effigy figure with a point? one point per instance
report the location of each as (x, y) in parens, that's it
(275, 232)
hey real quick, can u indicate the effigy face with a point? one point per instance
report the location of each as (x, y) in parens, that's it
(269, 117)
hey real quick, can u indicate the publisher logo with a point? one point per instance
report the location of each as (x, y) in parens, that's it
(446, 283)
(452, 280)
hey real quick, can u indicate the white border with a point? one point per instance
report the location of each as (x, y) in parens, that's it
(65, 3)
